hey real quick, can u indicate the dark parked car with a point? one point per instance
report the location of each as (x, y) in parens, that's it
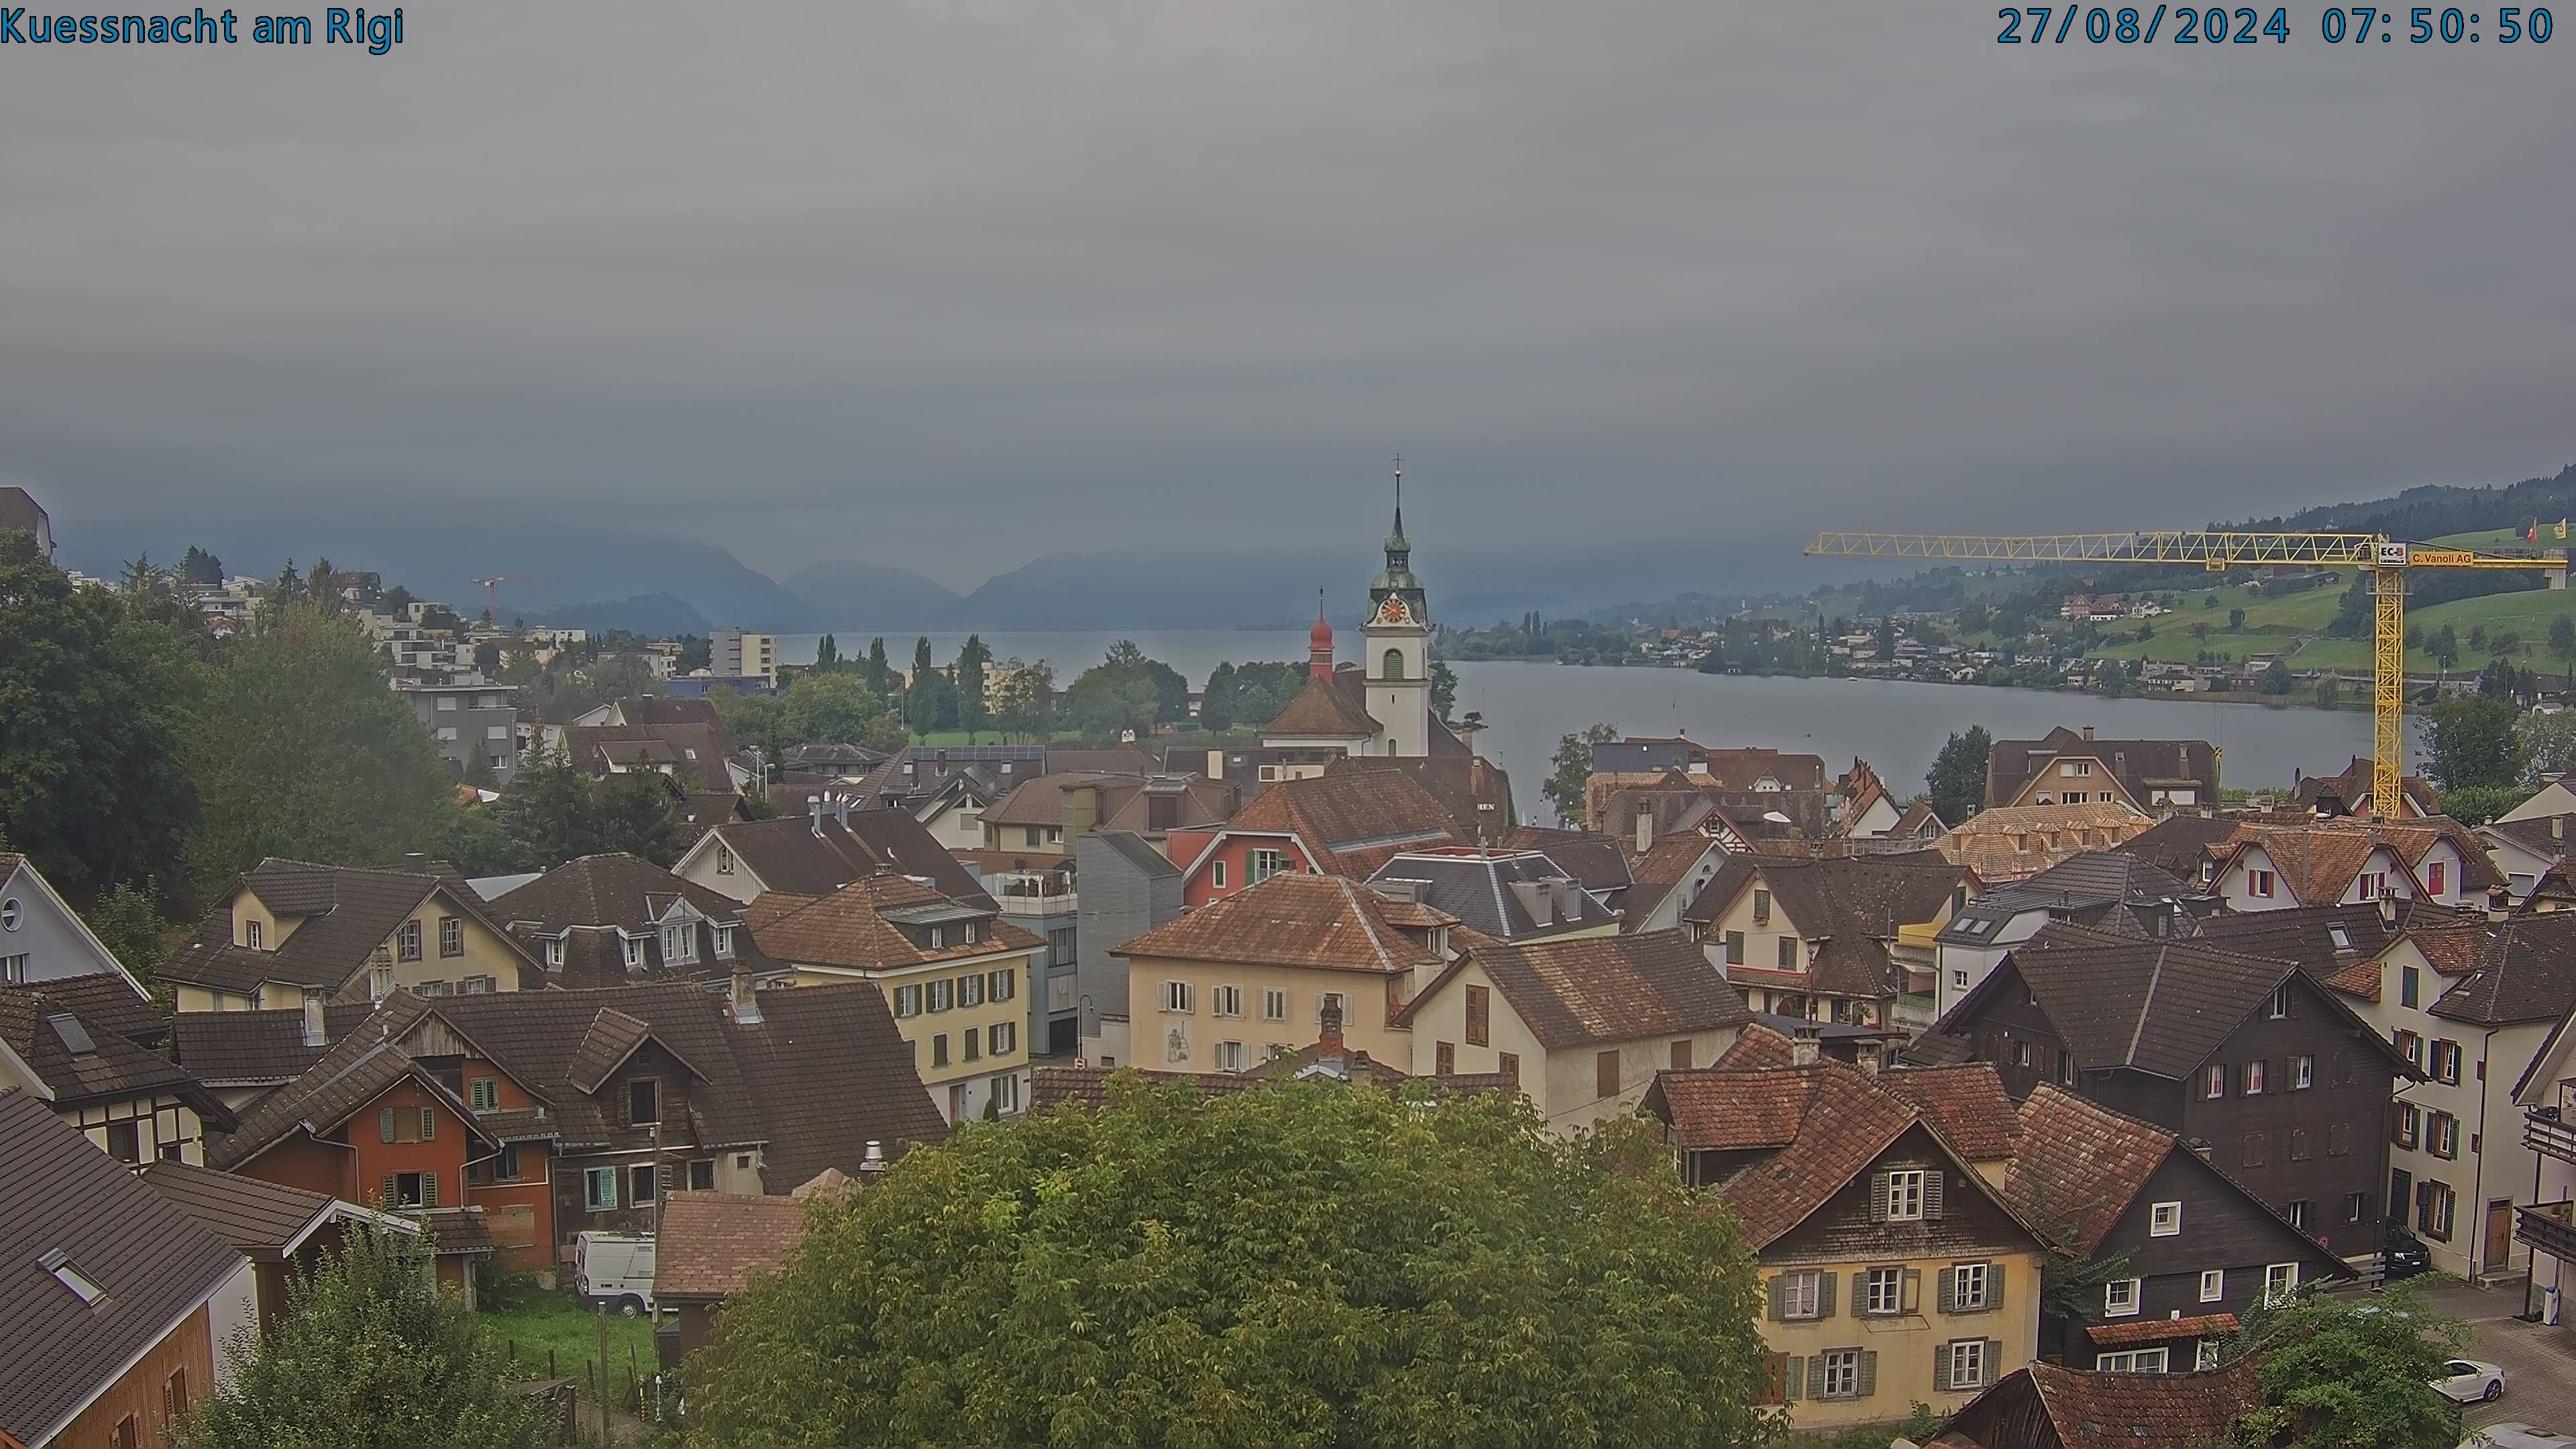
(2405, 1254)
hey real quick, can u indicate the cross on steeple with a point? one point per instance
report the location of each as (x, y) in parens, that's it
(1399, 495)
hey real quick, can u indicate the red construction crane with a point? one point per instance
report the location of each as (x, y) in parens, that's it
(492, 597)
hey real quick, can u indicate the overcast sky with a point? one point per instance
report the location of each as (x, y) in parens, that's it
(951, 285)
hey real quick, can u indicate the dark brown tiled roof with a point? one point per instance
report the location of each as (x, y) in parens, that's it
(610, 1039)
(1354, 822)
(1317, 922)
(789, 856)
(61, 1195)
(254, 1048)
(1855, 904)
(712, 1243)
(108, 999)
(1577, 992)
(608, 890)
(695, 753)
(1598, 861)
(1965, 1103)
(1052, 1085)
(79, 1060)
(849, 928)
(1817, 1127)
(2178, 844)
(346, 1080)
(262, 1220)
(346, 914)
(2524, 970)
(2139, 765)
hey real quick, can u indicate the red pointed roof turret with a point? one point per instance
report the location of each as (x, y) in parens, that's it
(1319, 643)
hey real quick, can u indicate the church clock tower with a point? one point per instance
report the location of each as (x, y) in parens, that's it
(1397, 656)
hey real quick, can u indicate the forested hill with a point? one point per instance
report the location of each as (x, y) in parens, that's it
(2436, 510)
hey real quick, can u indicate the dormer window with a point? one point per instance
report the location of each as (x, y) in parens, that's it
(555, 954)
(643, 1101)
(634, 951)
(679, 943)
(251, 935)
(724, 943)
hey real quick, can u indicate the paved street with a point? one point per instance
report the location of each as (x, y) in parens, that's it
(2539, 1363)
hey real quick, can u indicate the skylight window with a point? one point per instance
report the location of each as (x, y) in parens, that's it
(74, 1036)
(2342, 938)
(59, 1263)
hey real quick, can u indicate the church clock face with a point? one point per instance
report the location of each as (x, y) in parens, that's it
(1393, 611)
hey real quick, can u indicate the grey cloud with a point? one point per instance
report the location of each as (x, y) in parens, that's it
(949, 286)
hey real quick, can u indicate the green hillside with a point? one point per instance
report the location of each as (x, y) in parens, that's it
(2293, 625)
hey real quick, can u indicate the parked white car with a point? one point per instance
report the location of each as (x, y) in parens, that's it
(2516, 1436)
(2470, 1382)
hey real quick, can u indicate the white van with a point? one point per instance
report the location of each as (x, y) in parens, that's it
(615, 1269)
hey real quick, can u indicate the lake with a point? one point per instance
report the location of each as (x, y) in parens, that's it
(1897, 726)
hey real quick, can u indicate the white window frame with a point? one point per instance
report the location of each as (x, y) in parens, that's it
(1274, 1005)
(1229, 1056)
(680, 943)
(1261, 865)
(2280, 1282)
(1002, 1038)
(1179, 998)
(1341, 997)
(2303, 1073)
(907, 1000)
(1964, 1299)
(2205, 1355)
(1002, 985)
(1883, 1292)
(724, 858)
(2213, 1285)
(1842, 1373)
(1905, 1195)
(942, 995)
(555, 953)
(1216, 876)
(2164, 1220)
(1006, 1092)
(2112, 1296)
(1967, 1367)
(634, 950)
(724, 943)
(970, 990)
(1802, 1296)
(2133, 1361)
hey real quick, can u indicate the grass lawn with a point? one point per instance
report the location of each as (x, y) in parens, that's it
(558, 1321)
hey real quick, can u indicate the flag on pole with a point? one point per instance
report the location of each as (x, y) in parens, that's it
(2531, 532)
(2562, 530)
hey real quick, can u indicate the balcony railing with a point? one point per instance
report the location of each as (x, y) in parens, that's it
(2549, 1228)
(2543, 1133)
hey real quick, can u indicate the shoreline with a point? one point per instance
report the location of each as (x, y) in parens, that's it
(2231, 697)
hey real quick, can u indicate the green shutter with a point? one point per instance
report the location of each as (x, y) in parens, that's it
(1860, 1294)
(1932, 1195)
(1793, 1379)
(1943, 1296)
(1994, 1359)
(429, 1189)
(1878, 1197)
(1825, 1285)
(385, 1123)
(1779, 1291)
(1868, 1372)
(392, 1194)
(429, 1124)
(1941, 1368)
(1994, 1292)
(1816, 1377)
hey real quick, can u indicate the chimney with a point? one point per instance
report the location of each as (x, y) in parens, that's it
(1804, 1043)
(1645, 830)
(745, 997)
(872, 1166)
(2199, 1148)
(2558, 827)
(2388, 908)
(2499, 903)
(316, 1033)
(1867, 1056)
(815, 802)
(1536, 899)
(2088, 732)
(841, 810)
(1081, 810)
(1329, 1037)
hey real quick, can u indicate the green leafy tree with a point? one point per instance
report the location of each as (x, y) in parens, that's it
(2476, 805)
(921, 690)
(551, 814)
(2472, 743)
(2276, 679)
(1569, 787)
(1126, 691)
(2562, 641)
(611, 676)
(2329, 692)
(2548, 745)
(369, 1356)
(2235, 621)
(306, 754)
(635, 815)
(1216, 701)
(879, 670)
(2477, 638)
(973, 658)
(1303, 1264)
(696, 652)
(2343, 1373)
(1444, 691)
(1024, 705)
(126, 918)
(96, 716)
(825, 709)
(2445, 645)
(1957, 779)
(827, 655)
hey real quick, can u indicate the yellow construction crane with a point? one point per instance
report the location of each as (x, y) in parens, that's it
(2388, 561)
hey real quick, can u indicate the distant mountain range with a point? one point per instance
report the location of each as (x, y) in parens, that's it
(603, 578)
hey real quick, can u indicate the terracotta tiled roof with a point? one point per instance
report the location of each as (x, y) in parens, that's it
(851, 927)
(1317, 922)
(1966, 1104)
(1052, 1085)
(1325, 707)
(2014, 842)
(2079, 1166)
(712, 1243)
(2160, 1330)
(2317, 860)
(1576, 992)
(1354, 822)
(1819, 1126)
(2139, 765)
(2080, 1410)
